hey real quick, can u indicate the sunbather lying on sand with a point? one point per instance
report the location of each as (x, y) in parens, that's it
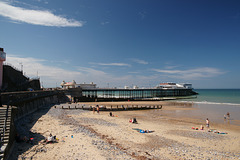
(143, 131)
(196, 128)
(215, 131)
(50, 139)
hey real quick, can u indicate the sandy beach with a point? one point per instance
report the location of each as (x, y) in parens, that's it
(83, 134)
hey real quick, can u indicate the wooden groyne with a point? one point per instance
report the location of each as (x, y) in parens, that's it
(111, 108)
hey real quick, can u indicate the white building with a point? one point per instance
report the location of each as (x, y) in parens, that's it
(73, 84)
(87, 86)
(66, 85)
(170, 85)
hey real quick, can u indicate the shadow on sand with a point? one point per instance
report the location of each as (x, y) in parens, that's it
(27, 138)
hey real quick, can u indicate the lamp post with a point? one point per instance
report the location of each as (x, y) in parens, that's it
(21, 67)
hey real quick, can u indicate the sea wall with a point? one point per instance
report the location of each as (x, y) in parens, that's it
(28, 107)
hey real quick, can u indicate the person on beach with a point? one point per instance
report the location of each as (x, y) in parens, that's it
(133, 120)
(50, 138)
(93, 110)
(207, 123)
(228, 115)
(98, 109)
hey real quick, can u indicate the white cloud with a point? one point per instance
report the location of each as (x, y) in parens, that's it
(139, 61)
(91, 71)
(171, 66)
(36, 17)
(49, 75)
(191, 74)
(112, 64)
(52, 75)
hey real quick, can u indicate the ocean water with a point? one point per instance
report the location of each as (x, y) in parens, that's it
(217, 96)
(214, 104)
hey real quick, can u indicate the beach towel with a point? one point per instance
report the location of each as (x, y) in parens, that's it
(142, 131)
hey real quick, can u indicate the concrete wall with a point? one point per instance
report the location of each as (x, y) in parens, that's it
(28, 107)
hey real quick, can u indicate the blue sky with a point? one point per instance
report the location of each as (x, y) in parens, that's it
(127, 42)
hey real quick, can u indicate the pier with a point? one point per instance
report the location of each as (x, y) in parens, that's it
(108, 94)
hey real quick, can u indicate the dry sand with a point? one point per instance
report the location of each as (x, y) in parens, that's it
(88, 135)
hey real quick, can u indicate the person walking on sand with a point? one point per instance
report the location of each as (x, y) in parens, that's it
(98, 109)
(207, 123)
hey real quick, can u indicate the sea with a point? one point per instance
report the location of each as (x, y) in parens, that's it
(217, 96)
(214, 104)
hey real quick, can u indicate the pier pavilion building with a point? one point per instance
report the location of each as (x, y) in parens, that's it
(162, 91)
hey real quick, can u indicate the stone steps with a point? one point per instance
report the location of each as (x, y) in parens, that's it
(5, 139)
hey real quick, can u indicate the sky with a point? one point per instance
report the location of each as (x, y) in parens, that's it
(117, 43)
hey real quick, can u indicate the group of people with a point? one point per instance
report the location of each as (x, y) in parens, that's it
(98, 108)
(133, 120)
(227, 116)
(49, 139)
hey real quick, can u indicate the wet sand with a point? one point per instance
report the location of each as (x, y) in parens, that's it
(88, 135)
